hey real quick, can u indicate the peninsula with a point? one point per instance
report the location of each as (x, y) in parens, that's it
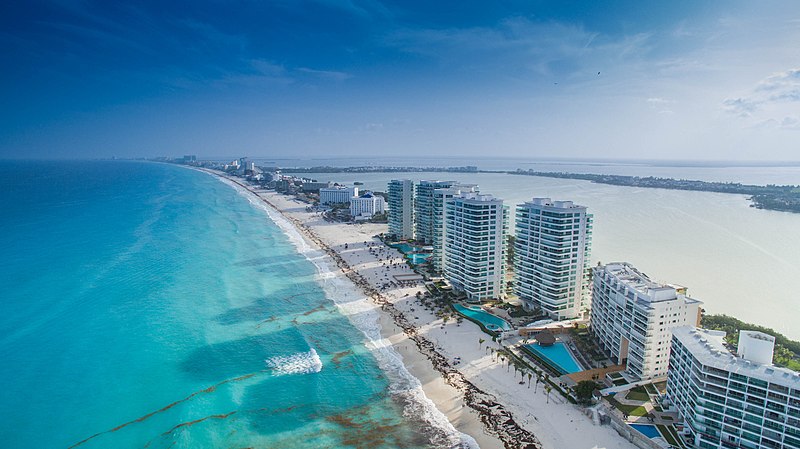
(784, 198)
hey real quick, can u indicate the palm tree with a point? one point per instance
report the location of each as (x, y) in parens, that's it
(529, 379)
(480, 342)
(538, 379)
(548, 389)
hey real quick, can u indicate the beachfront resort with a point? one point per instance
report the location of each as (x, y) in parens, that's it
(627, 351)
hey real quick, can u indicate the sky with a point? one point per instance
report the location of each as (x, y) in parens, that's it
(619, 79)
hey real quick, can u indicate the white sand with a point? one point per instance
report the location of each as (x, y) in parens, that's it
(557, 424)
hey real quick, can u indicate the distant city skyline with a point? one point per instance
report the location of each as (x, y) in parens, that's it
(347, 78)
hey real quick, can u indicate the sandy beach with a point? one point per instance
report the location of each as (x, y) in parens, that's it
(480, 396)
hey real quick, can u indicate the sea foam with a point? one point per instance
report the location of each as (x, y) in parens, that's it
(352, 303)
(300, 363)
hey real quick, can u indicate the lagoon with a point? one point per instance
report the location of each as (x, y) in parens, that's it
(728, 254)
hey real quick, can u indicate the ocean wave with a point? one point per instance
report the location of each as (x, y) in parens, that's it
(363, 314)
(300, 363)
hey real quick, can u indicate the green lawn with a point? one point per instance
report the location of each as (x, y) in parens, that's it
(669, 434)
(630, 410)
(638, 395)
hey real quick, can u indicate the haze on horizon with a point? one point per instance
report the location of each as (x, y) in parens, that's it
(324, 78)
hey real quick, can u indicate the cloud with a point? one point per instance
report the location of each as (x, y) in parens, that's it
(740, 106)
(373, 127)
(769, 101)
(790, 122)
(325, 74)
(782, 86)
(518, 44)
(661, 105)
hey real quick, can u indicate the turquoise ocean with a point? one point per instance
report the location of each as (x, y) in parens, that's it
(151, 306)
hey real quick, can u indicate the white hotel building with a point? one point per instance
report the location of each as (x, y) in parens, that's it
(440, 199)
(732, 401)
(365, 206)
(337, 195)
(474, 245)
(423, 209)
(633, 317)
(551, 257)
(400, 194)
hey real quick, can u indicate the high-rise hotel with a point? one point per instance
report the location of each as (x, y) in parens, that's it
(551, 257)
(633, 317)
(440, 199)
(400, 194)
(474, 245)
(423, 209)
(732, 401)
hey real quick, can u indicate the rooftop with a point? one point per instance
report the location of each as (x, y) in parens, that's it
(649, 290)
(482, 197)
(709, 349)
(555, 204)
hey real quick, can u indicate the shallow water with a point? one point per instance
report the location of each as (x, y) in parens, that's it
(148, 305)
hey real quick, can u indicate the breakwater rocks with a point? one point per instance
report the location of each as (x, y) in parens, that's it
(495, 417)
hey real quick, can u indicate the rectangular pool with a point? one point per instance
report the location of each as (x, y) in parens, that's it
(648, 430)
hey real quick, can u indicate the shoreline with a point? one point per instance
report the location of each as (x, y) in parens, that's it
(479, 398)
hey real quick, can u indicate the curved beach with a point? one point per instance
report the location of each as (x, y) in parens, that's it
(479, 396)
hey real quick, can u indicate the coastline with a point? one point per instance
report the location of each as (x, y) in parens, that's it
(479, 398)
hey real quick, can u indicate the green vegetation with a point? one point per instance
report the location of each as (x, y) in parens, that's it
(659, 388)
(669, 434)
(638, 394)
(586, 344)
(523, 364)
(584, 390)
(512, 239)
(630, 410)
(773, 197)
(787, 352)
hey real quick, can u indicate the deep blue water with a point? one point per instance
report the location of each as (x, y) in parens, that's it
(147, 305)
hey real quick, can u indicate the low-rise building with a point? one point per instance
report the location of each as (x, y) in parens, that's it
(633, 317)
(314, 186)
(337, 195)
(732, 401)
(366, 206)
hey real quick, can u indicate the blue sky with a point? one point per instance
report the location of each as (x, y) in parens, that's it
(615, 79)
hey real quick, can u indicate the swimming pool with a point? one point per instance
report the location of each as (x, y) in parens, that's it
(412, 253)
(491, 322)
(405, 248)
(418, 258)
(648, 430)
(558, 355)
